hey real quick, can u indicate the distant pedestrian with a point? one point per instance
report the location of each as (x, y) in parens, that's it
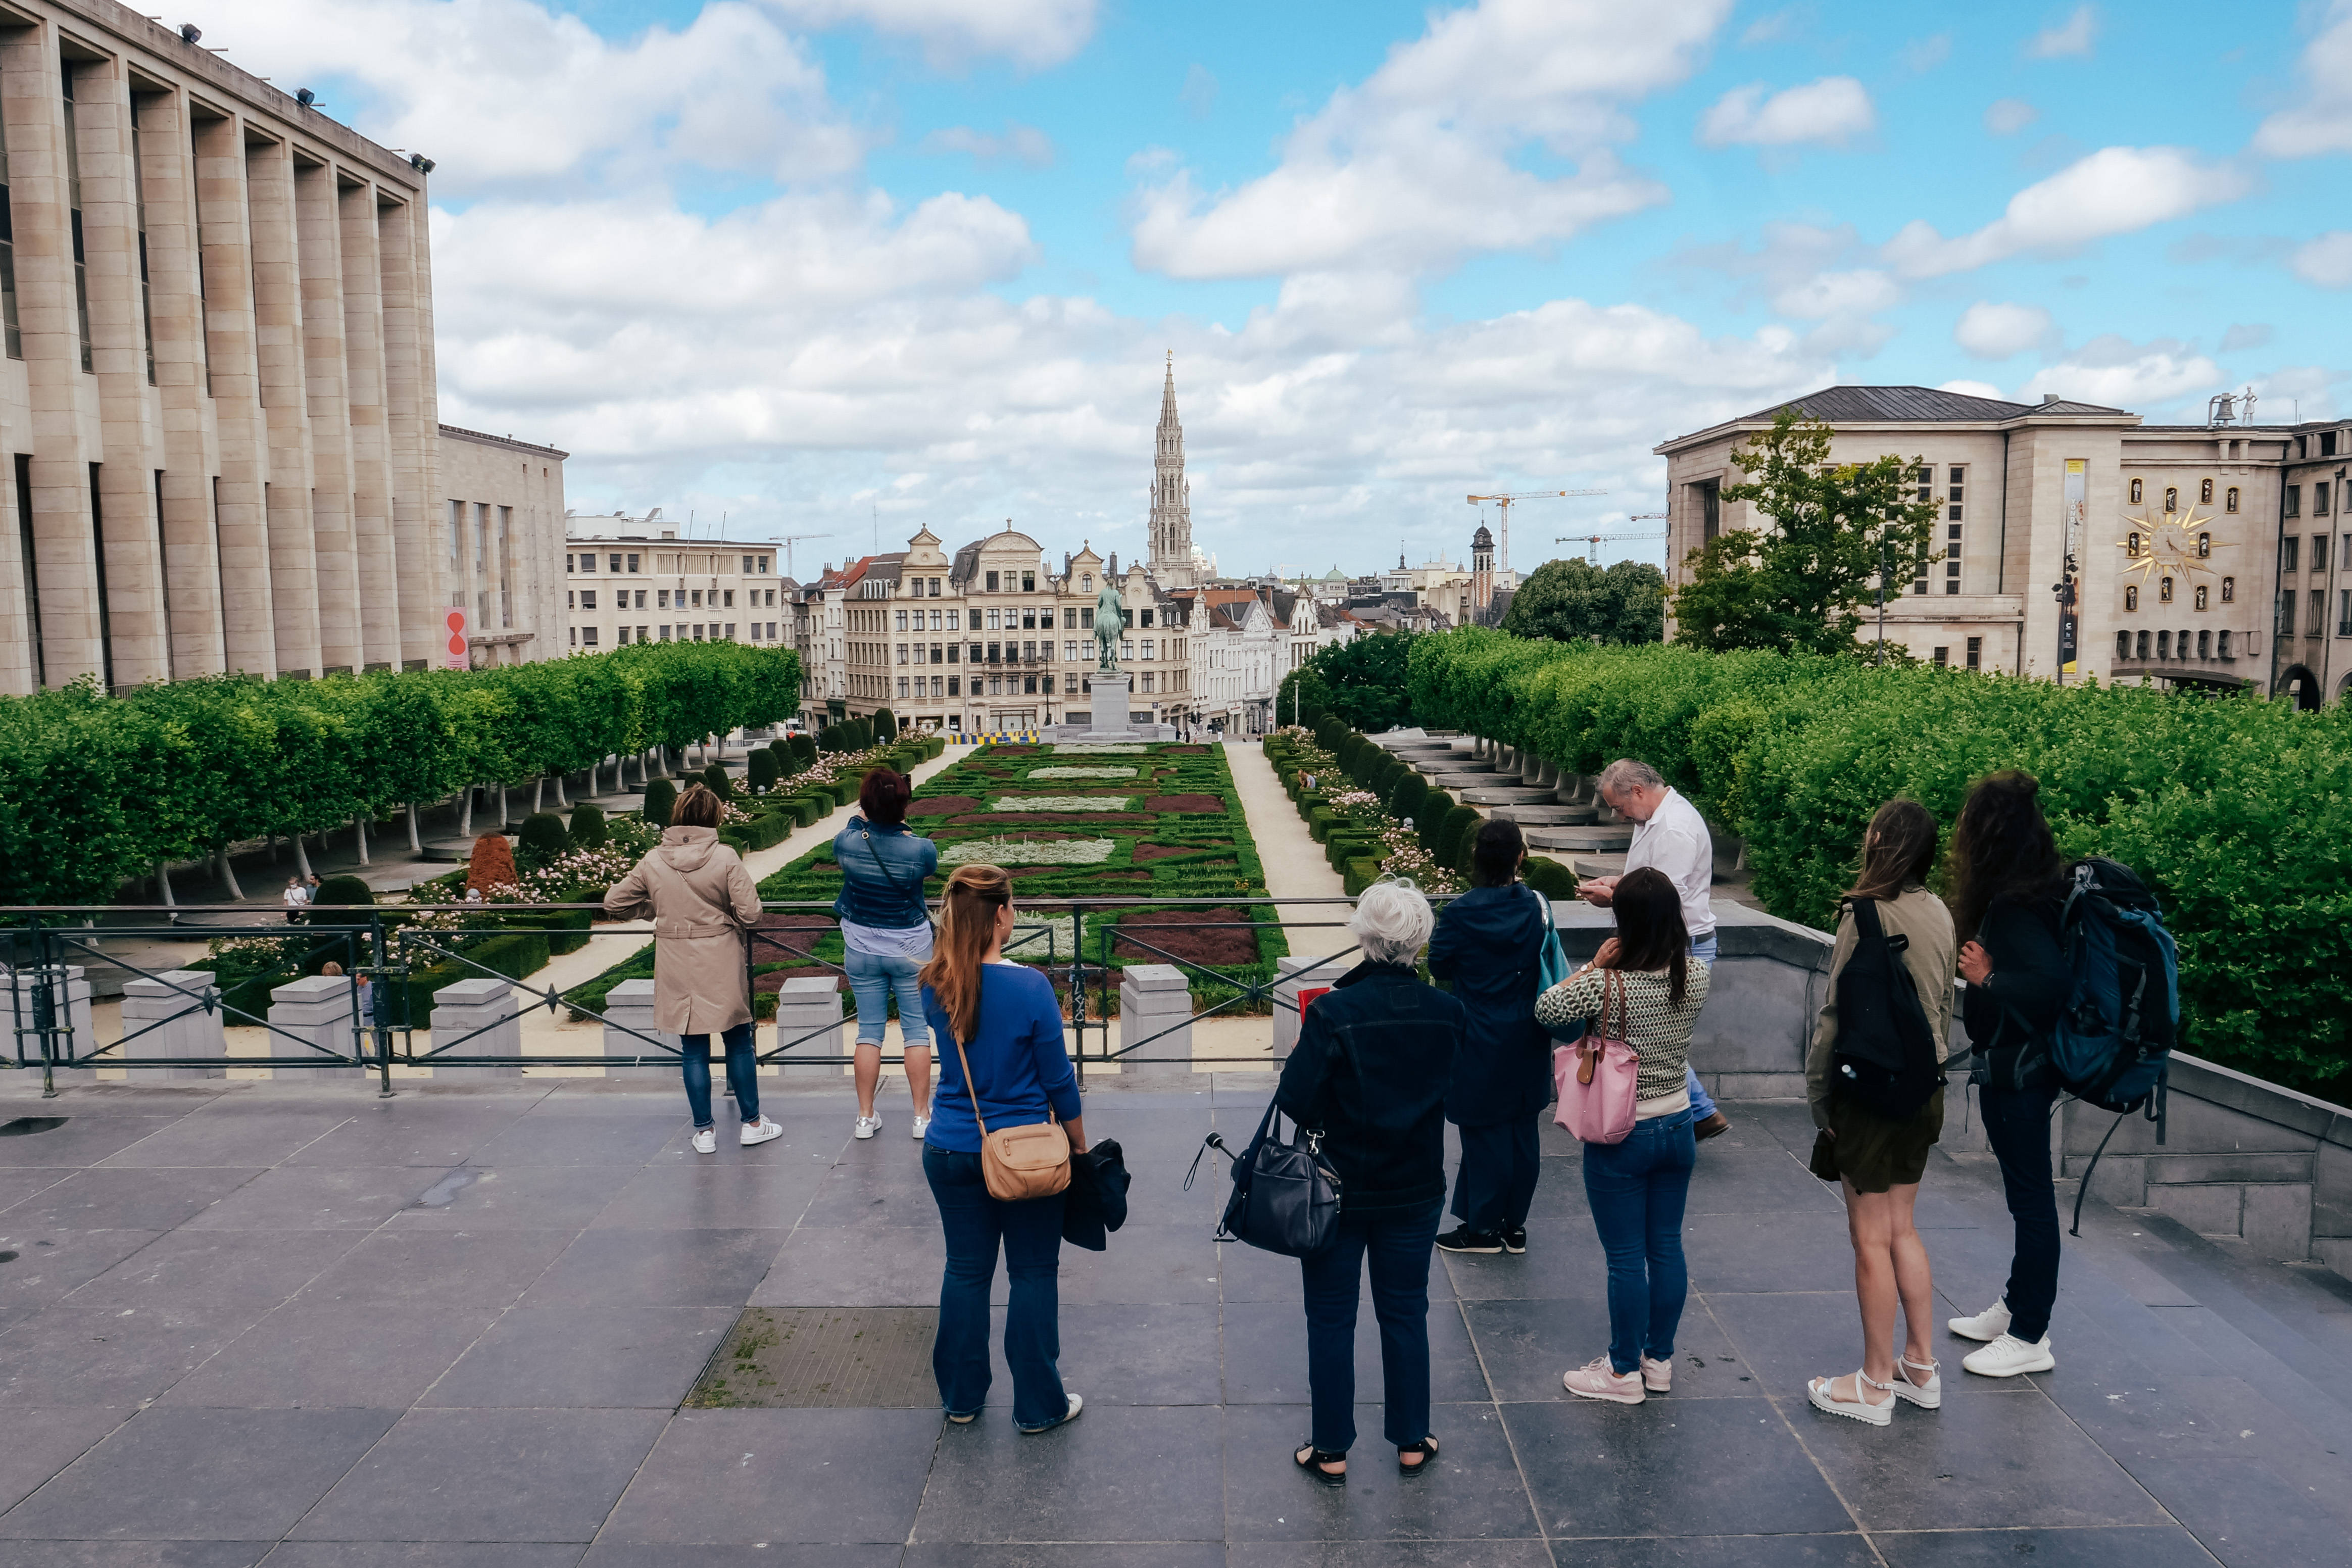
(1008, 1067)
(1369, 1075)
(2008, 891)
(1878, 1160)
(1489, 948)
(701, 900)
(887, 934)
(1671, 836)
(1648, 987)
(294, 897)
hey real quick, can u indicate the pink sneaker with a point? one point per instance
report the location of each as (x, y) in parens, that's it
(1657, 1376)
(1597, 1380)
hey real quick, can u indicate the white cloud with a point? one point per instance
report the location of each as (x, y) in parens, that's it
(1027, 32)
(1776, 26)
(2122, 374)
(1925, 54)
(2326, 261)
(2321, 120)
(1021, 144)
(1415, 167)
(1988, 330)
(2247, 335)
(1834, 110)
(2073, 37)
(2117, 190)
(2008, 116)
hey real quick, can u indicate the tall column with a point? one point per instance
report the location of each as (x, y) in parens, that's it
(371, 449)
(227, 261)
(419, 526)
(327, 382)
(286, 416)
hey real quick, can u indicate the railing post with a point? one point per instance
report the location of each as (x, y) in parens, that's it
(44, 1009)
(377, 998)
(1078, 987)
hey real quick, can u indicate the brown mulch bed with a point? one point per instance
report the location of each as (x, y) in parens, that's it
(1145, 853)
(1185, 752)
(1163, 929)
(1187, 805)
(1016, 872)
(788, 931)
(943, 805)
(1040, 838)
(773, 980)
(1048, 818)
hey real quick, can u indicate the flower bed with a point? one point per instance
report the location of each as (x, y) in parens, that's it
(1393, 845)
(1012, 852)
(1082, 772)
(1065, 803)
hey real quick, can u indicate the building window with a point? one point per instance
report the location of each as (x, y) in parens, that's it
(2228, 590)
(2295, 501)
(2311, 625)
(2344, 611)
(2221, 645)
(992, 581)
(2163, 644)
(2131, 596)
(2123, 645)
(2328, 443)
(2290, 550)
(1049, 686)
(728, 598)
(2204, 644)
(588, 599)
(1943, 657)
(902, 687)
(2319, 552)
(2135, 492)
(632, 559)
(2143, 648)
(1029, 686)
(1028, 582)
(2205, 491)
(588, 636)
(2285, 616)
(73, 217)
(955, 685)
(747, 566)
(2319, 499)
(2202, 592)
(2171, 498)
(2164, 590)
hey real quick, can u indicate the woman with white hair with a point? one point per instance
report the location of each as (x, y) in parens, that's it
(1369, 1075)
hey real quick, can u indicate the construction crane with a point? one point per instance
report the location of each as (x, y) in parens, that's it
(1594, 539)
(1503, 518)
(787, 541)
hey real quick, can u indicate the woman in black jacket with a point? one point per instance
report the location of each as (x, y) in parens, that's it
(1489, 949)
(2008, 890)
(1368, 1074)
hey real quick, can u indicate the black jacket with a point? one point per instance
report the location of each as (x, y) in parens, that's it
(2011, 1018)
(1369, 1071)
(1487, 946)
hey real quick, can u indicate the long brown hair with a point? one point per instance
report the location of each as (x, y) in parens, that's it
(967, 930)
(2001, 847)
(1651, 934)
(1896, 851)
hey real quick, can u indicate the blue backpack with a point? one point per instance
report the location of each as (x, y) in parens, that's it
(2114, 1038)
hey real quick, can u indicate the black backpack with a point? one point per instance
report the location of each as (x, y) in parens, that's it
(1884, 1054)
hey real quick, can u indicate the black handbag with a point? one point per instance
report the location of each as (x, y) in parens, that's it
(1286, 1199)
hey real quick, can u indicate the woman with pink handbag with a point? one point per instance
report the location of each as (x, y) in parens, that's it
(1621, 1091)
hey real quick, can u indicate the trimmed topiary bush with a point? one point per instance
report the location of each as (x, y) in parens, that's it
(661, 796)
(1459, 826)
(343, 890)
(788, 762)
(885, 725)
(542, 837)
(587, 825)
(1431, 815)
(803, 750)
(1549, 878)
(760, 773)
(491, 864)
(715, 780)
(1405, 796)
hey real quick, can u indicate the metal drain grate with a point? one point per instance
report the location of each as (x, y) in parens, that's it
(866, 1358)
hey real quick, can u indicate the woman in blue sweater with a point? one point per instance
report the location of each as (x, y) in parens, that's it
(1009, 1024)
(887, 935)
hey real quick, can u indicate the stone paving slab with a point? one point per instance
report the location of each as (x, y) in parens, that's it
(452, 1329)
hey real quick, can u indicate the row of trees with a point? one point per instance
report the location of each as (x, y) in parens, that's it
(95, 789)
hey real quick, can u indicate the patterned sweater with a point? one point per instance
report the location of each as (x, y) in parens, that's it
(1658, 1031)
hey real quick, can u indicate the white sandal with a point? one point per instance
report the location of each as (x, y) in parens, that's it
(1927, 1396)
(1857, 1409)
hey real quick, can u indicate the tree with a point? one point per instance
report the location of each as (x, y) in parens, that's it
(1361, 682)
(1801, 586)
(1573, 600)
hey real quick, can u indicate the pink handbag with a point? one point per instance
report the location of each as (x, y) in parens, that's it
(1595, 1075)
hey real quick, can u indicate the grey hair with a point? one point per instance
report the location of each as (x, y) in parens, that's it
(1625, 773)
(1391, 922)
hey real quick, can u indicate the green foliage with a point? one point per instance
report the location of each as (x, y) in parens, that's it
(1331, 732)
(1549, 877)
(587, 825)
(788, 762)
(661, 798)
(1303, 697)
(803, 750)
(1362, 681)
(1431, 815)
(1459, 826)
(1574, 600)
(542, 838)
(760, 773)
(886, 726)
(1405, 796)
(1798, 585)
(715, 780)
(343, 890)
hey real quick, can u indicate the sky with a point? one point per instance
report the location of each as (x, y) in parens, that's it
(850, 267)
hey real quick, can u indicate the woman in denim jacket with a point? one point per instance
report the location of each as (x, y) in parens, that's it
(887, 932)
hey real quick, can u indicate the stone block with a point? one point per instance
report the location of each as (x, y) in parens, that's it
(629, 1006)
(2214, 1210)
(311, 1020)
(1155, 1005)
(176, 1022)
(2276, 1222)
(1318, 972)
(2235, 1166)
(484, 1009)
(74, 1006)
(809, 1024)
(2121, 1181)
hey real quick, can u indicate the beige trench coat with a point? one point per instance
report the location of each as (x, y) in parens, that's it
(701, 899)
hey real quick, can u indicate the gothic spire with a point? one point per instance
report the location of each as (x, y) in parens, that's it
(1170, 534)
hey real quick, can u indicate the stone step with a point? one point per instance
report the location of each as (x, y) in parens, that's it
(1446, 767)
(1487, 793)
(1586, 867)
(1597, 840)
(1458, 781)
(1553, 815)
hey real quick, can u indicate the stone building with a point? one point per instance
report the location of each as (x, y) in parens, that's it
(629, 580)
(2193, 554)
(218, 386)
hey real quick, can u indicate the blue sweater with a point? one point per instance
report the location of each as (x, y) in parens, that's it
(1017, 1057)
(871, 896)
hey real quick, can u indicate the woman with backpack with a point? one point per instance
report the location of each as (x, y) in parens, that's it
(1876, 1157)
(1488, 948)
(886, 932)
(2008, 897)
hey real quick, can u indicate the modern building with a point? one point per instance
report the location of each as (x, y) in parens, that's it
(217, 384)
(632, 578)
(2076, 541)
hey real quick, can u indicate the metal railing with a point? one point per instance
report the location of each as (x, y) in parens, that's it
(381, 951)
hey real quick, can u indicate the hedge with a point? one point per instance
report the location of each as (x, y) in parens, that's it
(2238, 813)
(96, 790)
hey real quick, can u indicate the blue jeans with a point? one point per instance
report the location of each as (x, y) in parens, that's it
(1702, 1103)
(2017, 1125)
(743, 1079)
(1397, 1248)
(873, 976)
(974, 1223)
(1637, 1190)
(1495, 1183)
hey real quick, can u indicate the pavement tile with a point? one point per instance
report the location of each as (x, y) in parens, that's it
(126, 1200)
(663, 1267)
(133, 1553)
(487, 1475)
(1154, 1264)
(409, 1130)
(445, 1268)
(1049, 1554)
(216, 1268)
(1474, 1493)
(109, 1356)
(1716, 1552)
(586, 1357)
(2166, 1546)
(1265, 1353)
(425, 1555)
(1118, 1473)
(575, 1141)
(19, 1183)
(84, 1140)
(199, 1475)
(1775, 1251)
(232, 1133)
(50, 1262)
(1247, 1274)
(1387, 1554)
(1715, 1467)
(607, 1553)
(716, 1197)
(1525, 1345)
(43, 1442)
(808, 1476)
(1563, 1261)
(1788, 1338)
(831, 1267)
(1164, 1354)
(313, 1355)
(516, 1197)
(302, 1197)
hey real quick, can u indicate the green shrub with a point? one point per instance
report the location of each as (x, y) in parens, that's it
(788, 762)
(346, 890)
(804, 747)
(1330, 731)
(760, 772)
(1429, 816)
(587, 825)
(885, 725)
(1358, 874)
(1405, 796)
(661, 798)
(542, 837)
(1457, 828)
(1549, 878)
(714, 779)
(1319, 821)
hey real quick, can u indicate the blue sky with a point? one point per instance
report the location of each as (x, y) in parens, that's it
(807, 263)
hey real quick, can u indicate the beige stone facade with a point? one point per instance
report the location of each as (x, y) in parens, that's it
(505, 529)
(218, 391)
(628, 580)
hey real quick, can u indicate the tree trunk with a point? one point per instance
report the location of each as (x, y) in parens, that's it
(164, 885)
(415, 843)
(562, 804)
(538, 793)
(359, 833)
(502, 805)
(466, 814)
(228, 875)
(301, 858)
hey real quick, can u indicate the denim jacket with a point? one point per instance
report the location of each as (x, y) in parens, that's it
(882, 871)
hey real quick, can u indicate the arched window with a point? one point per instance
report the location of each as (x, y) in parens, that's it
(2229, 500)
(2164, 590)
(2205, 491)
(2163, 644)
(2143, 645)
(2123, 646)
(2131, 595)
(2171, 497)
(2131, 546)
(2228, 590)
(2135, 492)
(2204, 545)
(2202, 592)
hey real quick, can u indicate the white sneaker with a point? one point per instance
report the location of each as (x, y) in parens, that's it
(923, 1124)
(2008, 1355)
(1598, 1379)
(1988, 1325)
(760, 1131)
(706, 1140)
(868, 1126)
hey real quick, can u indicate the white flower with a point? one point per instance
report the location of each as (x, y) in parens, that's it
(1008, 852)
(1081, 773)
(1061, 803)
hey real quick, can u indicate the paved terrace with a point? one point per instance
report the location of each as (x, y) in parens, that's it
(294, 1323)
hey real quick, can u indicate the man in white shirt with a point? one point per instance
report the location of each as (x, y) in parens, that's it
(1671, 837)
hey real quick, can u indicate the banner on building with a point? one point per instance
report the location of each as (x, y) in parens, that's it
(456, 648)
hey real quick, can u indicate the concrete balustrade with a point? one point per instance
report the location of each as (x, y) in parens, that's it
(73, 1009)
(630, 1007)
(1152, 998)
(175, 1024)
(311, 1018)
(810, 1004)
(485, 1010)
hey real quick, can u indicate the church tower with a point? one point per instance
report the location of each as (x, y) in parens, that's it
(1171, 498)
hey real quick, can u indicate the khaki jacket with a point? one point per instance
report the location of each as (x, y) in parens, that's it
(1933, 959)
(701, 899)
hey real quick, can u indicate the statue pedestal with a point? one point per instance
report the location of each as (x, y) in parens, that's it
(1110, 693)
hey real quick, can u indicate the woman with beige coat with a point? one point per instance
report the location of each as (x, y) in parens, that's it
(701, 900)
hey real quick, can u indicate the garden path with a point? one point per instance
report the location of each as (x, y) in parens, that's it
(1294, 867)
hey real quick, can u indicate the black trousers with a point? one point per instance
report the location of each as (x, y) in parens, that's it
(1497, 1182)
(2016, 1124)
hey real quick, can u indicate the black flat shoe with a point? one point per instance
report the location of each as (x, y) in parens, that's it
(1312, 1459)
(1426, 1448)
